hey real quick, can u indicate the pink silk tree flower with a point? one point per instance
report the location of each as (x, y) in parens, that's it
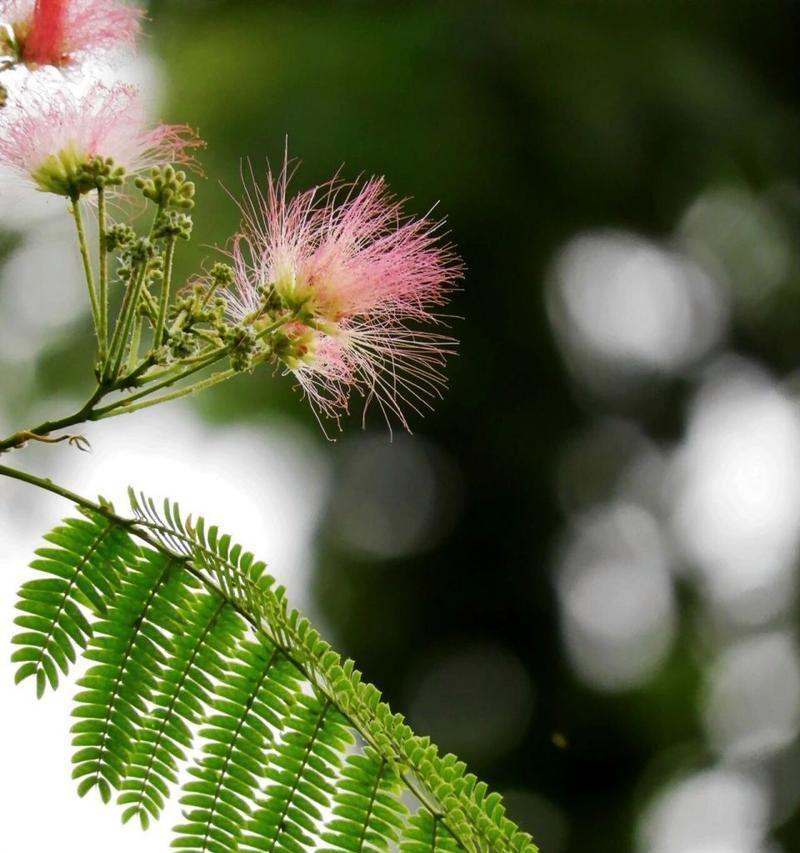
(53, 138)
(61, 32)
(355, 279)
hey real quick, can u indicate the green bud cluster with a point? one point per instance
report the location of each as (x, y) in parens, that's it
(142, 249)
(273, 301)
(172, 224)
(181, 344)
(161, 355)
(205, 305)
(222, 275)
(155, 269)
(167, 188)
(196, 304)
(119, 237)
(243, 343)
(125, 271)
(138, 251)
(100, 172)
(215, 314)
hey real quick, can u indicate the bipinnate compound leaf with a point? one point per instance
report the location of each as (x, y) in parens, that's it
(200, 671)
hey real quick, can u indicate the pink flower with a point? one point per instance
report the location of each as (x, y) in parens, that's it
(51, 137)
(60, 32)
(356, 278)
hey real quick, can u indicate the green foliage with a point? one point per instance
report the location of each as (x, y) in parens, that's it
(427, 834)
(302, 771)
(129, 651)
(179, 700)
(83, 572)
(248, 708)
(368, 809)
(198, 662)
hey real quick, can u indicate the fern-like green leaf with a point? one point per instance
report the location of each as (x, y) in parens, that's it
(427, 833)
(82, 575)
(301, 773)
(192, 643)
(248, 708)
(368, 813)
(209, 627)
(129, 650)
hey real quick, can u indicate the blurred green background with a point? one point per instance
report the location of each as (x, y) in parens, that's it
(539, 577)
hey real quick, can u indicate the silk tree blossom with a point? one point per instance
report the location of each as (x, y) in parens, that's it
(354, 278)
(52, 139)
(63, 32)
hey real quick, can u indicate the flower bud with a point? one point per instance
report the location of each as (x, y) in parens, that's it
(172, 224)
(222, 275)
(167, 188)
(119, 237)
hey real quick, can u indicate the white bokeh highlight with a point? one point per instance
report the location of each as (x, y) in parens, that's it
(736, 492)
(624, 307)
(42, 291)
(712, 811)
(616, 598)
(752, 707)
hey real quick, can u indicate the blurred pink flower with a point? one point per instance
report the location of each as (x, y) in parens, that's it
(360, 277)
(50, 137)
(59, 32)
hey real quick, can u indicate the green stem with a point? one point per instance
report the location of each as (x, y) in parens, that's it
(49, 486)
(179, 321)
(89, 412)
(170, 370)
(209, 337)
(124, 406)
(103, 295)
(85, 413)
(122, 329)
(150, 306)
(136, 338)
(274, 326)
(128, 313)
(171, 380)
(166, 286)
(134, 377)
(75, 210)
(196, 364)
(217, 351)
(131, 378)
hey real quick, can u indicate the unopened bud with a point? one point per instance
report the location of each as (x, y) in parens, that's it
(222, 274)
(173, 224)
(167, 188)
(118, 237)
